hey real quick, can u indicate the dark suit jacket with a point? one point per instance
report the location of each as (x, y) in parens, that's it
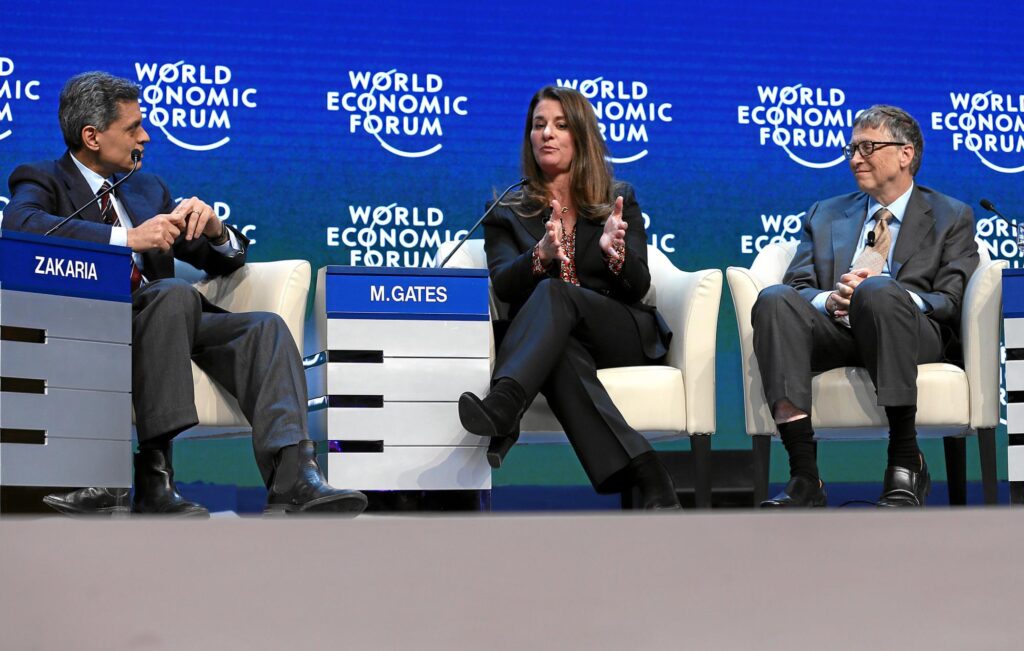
(43, 193)
(935, 252)
(509, 241)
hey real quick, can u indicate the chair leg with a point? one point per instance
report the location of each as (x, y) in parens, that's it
(956, 469)
(700, 445)
(1016, 492)
(987, 454)
(762, 461)
(630, 498)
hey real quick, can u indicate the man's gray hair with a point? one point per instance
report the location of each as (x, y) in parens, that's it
(901, 126)
(92, 98)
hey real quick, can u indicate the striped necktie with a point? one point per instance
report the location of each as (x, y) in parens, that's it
(109, 216)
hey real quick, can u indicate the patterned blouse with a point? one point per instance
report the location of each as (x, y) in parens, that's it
(568, 271)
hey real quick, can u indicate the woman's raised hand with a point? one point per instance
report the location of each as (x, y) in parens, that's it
(614, 235)
(550, 246)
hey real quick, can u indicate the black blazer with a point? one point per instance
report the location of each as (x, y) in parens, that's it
(935, 252)
(43, 193)
(509, 241)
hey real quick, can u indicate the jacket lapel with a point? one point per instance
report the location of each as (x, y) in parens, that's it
(129, 200)
(79, 192)
(533, 225)
(845, 236)
(916, 224)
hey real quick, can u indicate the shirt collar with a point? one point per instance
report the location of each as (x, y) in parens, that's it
(94, 180)
(898, 208)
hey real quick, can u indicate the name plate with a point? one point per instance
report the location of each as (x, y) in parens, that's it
(411, 293)
(64, 267)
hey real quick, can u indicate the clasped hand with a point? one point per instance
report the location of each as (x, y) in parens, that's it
(843, 293)
(192, 216)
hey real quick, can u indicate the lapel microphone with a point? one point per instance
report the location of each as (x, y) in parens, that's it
(870, 241)
(136, 157)
(501, 196)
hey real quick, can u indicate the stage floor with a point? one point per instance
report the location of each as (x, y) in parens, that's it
(842, 579)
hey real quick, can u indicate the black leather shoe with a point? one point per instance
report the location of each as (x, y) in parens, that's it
(90, 501)
(307, 491)
(499, 447)
(496, 415)
(155, 492)
(799, 492)
(904, 487)
(654, 483)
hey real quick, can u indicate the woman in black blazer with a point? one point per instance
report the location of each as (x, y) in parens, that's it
(569, 254)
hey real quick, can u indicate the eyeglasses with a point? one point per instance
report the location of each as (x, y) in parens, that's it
(867, 147)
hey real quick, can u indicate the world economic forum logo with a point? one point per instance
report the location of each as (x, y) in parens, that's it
(776, 228)
(3, 204)
(990, 125)
(192, 105)
(405, 113)
(392, 234)
(809, 124)
(13, 89)
(999, 239)
(624, 110)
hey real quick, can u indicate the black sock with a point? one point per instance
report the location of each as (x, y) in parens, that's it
(903, 450)
(162, 443)
(798, 437)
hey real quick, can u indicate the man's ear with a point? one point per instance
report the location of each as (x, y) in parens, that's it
(907, 155)
(89, 138)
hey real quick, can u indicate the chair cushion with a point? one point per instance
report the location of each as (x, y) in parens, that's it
(846, 396)
(214, 405)
(651, 398)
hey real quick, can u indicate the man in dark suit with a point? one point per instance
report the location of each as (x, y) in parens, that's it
(252, 355)
(877, 281)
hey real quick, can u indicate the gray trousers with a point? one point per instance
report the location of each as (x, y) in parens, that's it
(888, 334)
(252, 355)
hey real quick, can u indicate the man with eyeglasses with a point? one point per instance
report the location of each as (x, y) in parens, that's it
(877, 281)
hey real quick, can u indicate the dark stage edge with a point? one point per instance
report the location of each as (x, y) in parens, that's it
(842, 579)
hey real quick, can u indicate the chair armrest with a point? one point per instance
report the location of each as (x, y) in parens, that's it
(281, 287)
(979, 327)
(689, 303)
(744, 285)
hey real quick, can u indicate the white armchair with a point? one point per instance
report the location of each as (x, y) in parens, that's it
(952, 402)
(280, 287)
(662, 402)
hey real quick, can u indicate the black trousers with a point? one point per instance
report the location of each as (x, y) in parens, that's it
(252, 355)
(554, 346)
(888, 334)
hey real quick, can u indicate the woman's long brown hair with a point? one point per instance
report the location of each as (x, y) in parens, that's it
(590, 175)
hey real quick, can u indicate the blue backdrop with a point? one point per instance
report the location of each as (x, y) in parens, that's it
(367, 133)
